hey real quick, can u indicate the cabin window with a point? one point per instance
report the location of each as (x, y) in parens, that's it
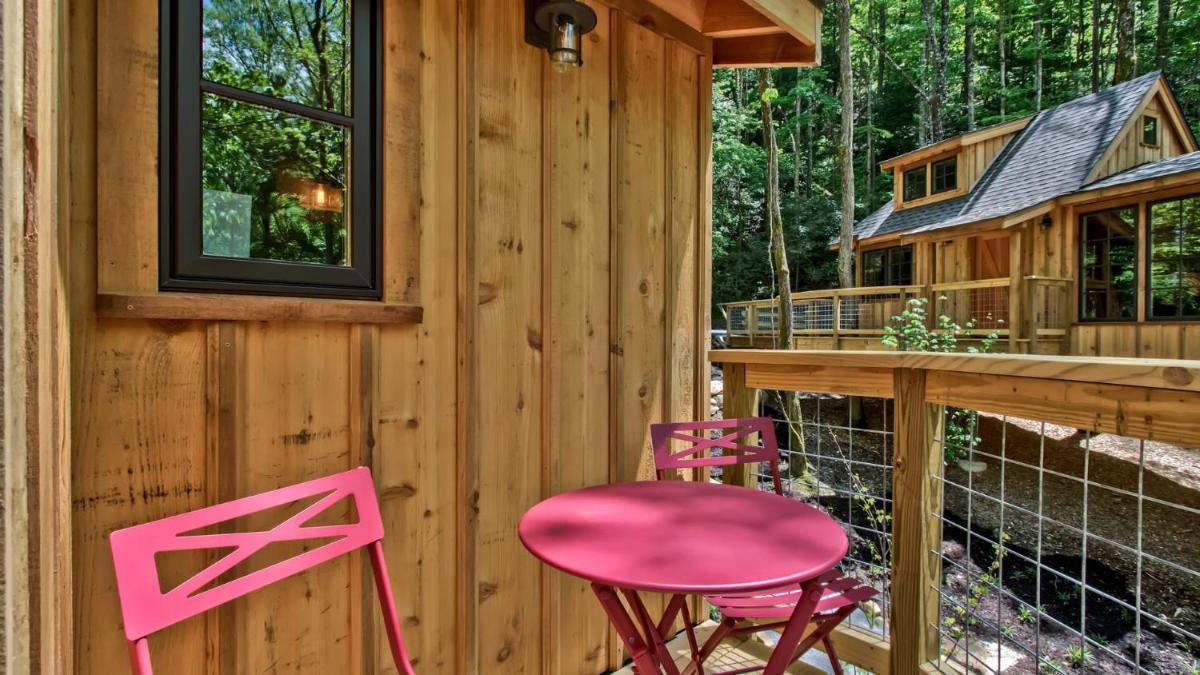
(1108, 276)
(269, 147)
(1149, 130)
(1174, 259)
(888, 266)
(945, 175)
(914, 184)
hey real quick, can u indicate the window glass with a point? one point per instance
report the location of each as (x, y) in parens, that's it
(274, 184)
(1108, 278)
(1175, 259)
(945, 175)
(914, 184)
(297, 51)
(1150, 130)
(888, 266)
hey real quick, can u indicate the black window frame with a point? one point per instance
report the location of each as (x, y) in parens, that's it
(1148, 270)
(1157, 130)
(933, 176)
(924, 169)
(888, 254)
(182, 264)
(1082, 255)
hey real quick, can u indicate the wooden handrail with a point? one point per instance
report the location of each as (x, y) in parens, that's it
(998, 282)
(1150, 399)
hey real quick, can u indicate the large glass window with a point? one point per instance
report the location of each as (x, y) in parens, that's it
(1174, 258)
(269, 153)
(1108, 277)
(888, 266)
(945, 175)
(914, 184)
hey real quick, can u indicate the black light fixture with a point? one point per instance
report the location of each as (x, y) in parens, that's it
(1047, 223)
(558, 26)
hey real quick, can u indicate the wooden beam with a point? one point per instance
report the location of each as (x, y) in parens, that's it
(734, 18)
(654, 17)
(799, 18)
(739, 400)
(869, 382)
(1166, 374)
(216, 307)
(916, 567)
(762, 51)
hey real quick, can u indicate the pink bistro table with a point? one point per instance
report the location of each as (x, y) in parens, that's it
(684, 538)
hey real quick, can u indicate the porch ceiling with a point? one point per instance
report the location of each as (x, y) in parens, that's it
(753, 33)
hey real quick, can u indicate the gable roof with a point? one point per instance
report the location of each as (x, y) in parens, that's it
(1142, 172)
(1051, 157)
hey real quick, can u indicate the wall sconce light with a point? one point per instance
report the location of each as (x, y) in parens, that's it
(558, 26)
(1047, 223)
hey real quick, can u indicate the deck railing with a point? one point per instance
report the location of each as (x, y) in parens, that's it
(1028, 510)
(1036, 312)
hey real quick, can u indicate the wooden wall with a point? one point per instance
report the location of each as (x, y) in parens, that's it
(554, 230)
(1129, 151)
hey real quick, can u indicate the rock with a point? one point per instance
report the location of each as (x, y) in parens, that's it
(716, 387)
(952, 550)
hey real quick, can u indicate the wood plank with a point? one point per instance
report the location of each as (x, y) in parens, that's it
(508, 338)
(653, 17)
(127, 145)
(577, 326)
(1139, 412)
(734, 18)
(761, 51)
(217, 307)
(869, 382)
(800, 18)
(1143, 372)
(916, 566)
(739, 400)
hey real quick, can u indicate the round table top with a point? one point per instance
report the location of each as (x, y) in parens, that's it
(683, 537)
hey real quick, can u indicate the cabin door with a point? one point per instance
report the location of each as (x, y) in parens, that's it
(991, 257)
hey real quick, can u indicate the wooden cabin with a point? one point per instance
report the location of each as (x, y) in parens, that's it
(511, 288)
(1072, 231)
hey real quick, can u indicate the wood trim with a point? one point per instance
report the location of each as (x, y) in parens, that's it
(216, 307)
(655, 18)
(800, 18)
(763, 51)
(1145, 189)
(869, 382)
(1170, 374)
(734, 18)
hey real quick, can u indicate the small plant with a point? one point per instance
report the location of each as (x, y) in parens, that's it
(1080, 656)
(1026, 614)
(1195, 668)
(1009, 632)
(909, 331)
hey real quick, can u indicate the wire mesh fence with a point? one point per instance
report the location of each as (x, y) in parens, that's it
(1065, 551)
(987, 308)
(812, 314)
(869, 312)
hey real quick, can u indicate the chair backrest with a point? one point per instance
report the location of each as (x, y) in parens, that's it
(735, 442)
(146, 609)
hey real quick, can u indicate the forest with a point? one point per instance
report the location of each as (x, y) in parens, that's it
(918, 71)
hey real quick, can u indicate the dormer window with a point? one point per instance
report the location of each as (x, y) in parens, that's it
(914, 184)
(945, 175)
(1150, 130)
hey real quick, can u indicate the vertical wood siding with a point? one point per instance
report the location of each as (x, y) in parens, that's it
(555, 231)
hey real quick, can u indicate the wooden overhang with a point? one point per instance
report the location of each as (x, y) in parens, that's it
(753, 33)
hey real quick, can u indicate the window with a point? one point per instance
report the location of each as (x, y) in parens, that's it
(945, 175)
(1174, 259)
(1149, 130)
(914, 184)
(270, 130)
(888, 266)
(1108, 276)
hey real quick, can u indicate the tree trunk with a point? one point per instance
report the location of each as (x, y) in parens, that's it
(774, 216)
(930, 105)
(942, 57)
(969, 63)
(846, 151)
(1037, 58)
(1095, 46)
(1002, 35)
(869, 70)
(1126, 67)
(1162, 45)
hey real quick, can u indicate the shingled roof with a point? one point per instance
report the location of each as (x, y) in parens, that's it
(1050, 157)
(1159, 169)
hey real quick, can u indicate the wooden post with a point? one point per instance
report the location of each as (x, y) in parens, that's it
(1031, 312)
(1017, 310)
(739, 401)
(837, 320)
(916, 565)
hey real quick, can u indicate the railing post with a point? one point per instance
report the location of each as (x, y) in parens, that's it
(738, 401)
(916, 562)
(837, 320)
(1032, 313)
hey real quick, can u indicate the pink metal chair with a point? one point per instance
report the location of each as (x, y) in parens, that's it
(678, 446)
(146, 609)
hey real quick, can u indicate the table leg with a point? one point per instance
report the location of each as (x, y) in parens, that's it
(785, 649)
(644, 658)
(652, 632)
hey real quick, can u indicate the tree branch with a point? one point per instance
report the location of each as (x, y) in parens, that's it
(888, 57)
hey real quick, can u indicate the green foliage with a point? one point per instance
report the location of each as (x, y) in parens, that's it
(1080, 656)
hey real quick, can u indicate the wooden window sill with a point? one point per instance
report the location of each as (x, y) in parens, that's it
(218, 307)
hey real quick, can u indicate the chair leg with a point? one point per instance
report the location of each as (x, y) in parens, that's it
(387, 603)
(832, 654)
(139, 654)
